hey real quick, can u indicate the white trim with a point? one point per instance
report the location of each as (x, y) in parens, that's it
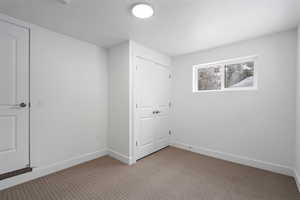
(227, 61)
(15, 21)
(121, 157)
(297, 179)
(150, 54)
(252, 89)
(153, 61)
(222, 64)
(280, 169)
(43, 171)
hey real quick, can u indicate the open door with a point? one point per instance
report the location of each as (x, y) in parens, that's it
(14, 97)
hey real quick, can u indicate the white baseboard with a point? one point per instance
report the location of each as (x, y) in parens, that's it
(237, 159)
(297, 179)
(121, 157)
(43, 171)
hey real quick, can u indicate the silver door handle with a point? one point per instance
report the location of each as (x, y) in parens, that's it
(156, 112)
(21, 105)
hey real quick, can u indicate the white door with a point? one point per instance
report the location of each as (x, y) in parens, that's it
(152, 113)
(14, 97)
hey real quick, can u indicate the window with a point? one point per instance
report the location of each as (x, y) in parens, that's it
(234, 74)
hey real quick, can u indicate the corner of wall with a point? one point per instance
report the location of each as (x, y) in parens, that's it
(118, 133)
(297, 134)
(297, 179)
(121, 157)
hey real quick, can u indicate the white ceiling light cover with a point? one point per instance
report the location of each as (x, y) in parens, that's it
(142, 10)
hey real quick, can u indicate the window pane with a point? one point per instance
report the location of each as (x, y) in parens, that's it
(239, 75)
(209, 78)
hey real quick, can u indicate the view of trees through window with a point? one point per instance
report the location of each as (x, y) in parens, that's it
(209, 78)
(239, 75)
(222, 76)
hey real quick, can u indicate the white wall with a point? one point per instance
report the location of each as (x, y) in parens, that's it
(118, 137)
(297, 141)
(251, 127)
(69, 97)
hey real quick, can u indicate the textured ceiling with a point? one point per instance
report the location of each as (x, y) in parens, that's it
(178, 26)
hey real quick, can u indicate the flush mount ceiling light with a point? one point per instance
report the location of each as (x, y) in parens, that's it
(142, 10)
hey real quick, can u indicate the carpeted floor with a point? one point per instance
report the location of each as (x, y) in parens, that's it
(171, 174)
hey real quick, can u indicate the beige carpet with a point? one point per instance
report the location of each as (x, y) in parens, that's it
(170, 174)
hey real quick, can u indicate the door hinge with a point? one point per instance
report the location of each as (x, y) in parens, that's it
(170, 104)
(29, 105)
(170, 133)
(136, 143)
(170, 76)
(136, 105)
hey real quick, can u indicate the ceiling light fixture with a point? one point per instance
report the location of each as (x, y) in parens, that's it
(142, 10)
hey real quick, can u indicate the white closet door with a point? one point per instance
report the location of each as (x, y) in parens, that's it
(162, 103)
(14, 97)
(153, 97)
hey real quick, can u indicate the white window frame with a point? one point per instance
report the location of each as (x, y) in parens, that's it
(223, 63)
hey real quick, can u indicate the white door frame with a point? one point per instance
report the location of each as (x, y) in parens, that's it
(133, 123)
(22, 24)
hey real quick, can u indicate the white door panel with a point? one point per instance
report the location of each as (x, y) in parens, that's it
(147, 127)
(14, 89)
(146, 139)
(8, 75)
(162, 89)
(8, 126)
(153, 97)
(162, 130)
(146, 84)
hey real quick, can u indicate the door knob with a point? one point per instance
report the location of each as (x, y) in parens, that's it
(22, 105)
(156, 112)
